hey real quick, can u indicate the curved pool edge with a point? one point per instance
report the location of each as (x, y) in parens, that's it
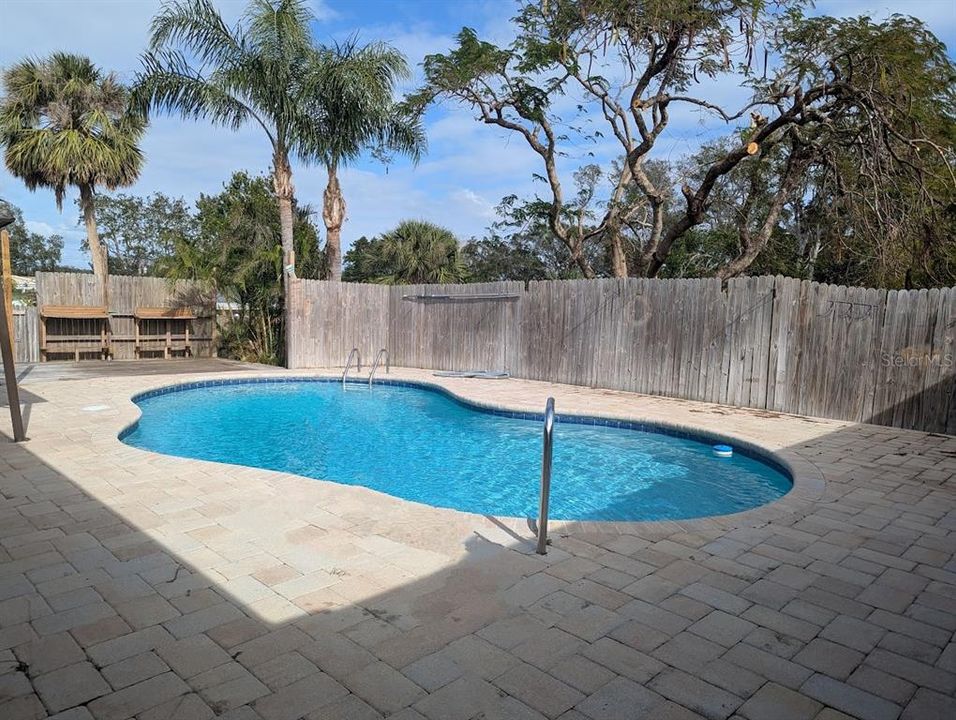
(807, 483)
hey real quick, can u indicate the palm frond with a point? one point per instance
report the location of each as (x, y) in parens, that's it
(197, 27)
(350, 95)
(171, 84)
(279, 29)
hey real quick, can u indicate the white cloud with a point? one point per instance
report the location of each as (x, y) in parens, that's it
(414, 42)
(72, 235)
(39, 227)
(482, 155)
(480, 205)
(322, 11)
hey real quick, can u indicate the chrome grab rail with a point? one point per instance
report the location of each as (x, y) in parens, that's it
(348, 363)
(378, 359)
(545, 477)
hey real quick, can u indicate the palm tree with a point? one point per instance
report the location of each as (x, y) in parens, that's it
(418, 252)
(356, 112)
(64, 122)
(262, 71)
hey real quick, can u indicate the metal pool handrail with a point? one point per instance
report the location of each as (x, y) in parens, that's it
(378, 359)
(348, 363)
(545, 477)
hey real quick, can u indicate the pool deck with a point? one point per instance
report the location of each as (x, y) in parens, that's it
(139, 585)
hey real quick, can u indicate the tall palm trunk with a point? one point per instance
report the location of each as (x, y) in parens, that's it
(97, 249)
(282, 180)
(333, 214)
(285, 192)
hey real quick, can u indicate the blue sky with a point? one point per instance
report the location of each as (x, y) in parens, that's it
(468, 169)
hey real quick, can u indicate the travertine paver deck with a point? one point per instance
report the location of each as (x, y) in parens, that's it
(133, 584)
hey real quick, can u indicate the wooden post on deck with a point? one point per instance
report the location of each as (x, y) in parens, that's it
(7, 281)
(6, 348)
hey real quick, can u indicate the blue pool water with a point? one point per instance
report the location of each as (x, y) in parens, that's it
(422, 445)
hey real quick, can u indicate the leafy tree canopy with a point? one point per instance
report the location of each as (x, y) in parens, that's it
(140, 233)
(237, 251)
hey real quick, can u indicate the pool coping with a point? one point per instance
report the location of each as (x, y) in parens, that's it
(808, 484)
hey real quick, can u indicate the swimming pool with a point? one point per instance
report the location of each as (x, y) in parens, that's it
(421, 444)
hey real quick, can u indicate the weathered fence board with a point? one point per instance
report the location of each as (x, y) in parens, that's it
(773, 343)
(26, 341)
(331, 319)
(453, 327)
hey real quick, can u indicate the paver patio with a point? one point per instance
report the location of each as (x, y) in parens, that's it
(139, 585)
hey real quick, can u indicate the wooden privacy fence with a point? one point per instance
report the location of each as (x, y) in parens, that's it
(772, 343)
(66, 320)
(25, 329)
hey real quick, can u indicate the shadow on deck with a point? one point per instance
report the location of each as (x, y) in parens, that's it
(92, 369)
(100, 609)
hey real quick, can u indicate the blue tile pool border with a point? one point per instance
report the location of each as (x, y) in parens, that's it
(704, 436)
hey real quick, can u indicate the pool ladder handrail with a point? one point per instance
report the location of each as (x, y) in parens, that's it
(546, 453)
(378, 360)
(348, 364)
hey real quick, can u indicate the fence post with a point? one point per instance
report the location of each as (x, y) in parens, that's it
(7, 281)
(10, 375)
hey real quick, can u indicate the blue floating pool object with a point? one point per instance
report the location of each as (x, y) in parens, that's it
(723, 451)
